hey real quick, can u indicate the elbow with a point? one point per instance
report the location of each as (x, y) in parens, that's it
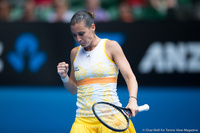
(131, 78)
(72, 88)
(74, 93)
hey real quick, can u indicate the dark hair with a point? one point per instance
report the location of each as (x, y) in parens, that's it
(80, 16)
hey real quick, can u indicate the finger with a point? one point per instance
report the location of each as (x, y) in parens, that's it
(61, 71)
(132, 113)
(61, 63)
(135, 112)
(66, 65)
(62, 66)
(127, 113)
(64, 70)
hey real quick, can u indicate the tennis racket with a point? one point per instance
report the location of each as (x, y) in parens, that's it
(114, 117)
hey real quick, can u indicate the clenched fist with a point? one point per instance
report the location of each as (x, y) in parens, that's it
(63, 69)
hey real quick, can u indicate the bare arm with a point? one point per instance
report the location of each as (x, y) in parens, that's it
(115, 52)
(63, 69)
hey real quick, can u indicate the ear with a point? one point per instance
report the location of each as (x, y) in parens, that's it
(93, 27)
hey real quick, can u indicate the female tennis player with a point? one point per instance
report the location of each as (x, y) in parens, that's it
(95, 65)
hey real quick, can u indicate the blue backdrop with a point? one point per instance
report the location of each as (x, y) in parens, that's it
(51, 109)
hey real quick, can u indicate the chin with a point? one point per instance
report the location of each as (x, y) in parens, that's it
(83, 45)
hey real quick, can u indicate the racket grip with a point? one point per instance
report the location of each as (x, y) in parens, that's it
(144, 107)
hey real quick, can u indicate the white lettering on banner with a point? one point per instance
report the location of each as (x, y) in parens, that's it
(170, 57)
(194, 61)
(1, 61)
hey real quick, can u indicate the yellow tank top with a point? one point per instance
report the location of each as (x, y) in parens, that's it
(96, 78)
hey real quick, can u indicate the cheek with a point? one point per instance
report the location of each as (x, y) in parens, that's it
(88, 40)
(88, 37)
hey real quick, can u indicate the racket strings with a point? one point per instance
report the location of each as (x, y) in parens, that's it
(111, 116)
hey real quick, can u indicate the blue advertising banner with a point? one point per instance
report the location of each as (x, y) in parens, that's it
(160, 53)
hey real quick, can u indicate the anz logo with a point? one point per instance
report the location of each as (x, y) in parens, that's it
(170, 57)
(27, 47)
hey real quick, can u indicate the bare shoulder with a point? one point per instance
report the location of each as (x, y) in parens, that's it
(112, 46)
(73, 52)
(113, 49)
(111, 43)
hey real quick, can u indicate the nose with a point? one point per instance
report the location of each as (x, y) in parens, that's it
(78, 38)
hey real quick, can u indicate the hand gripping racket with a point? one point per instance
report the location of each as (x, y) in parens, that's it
(114, 117)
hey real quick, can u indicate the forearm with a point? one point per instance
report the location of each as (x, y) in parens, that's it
(71, 86)
(132, 86)
(132, 89)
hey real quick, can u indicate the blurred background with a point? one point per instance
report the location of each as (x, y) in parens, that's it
(160, 38)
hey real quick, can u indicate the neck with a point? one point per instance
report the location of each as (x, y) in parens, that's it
(93, 44)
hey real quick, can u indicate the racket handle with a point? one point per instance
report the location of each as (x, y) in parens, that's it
(144, 107)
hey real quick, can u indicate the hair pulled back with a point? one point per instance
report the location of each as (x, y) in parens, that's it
(87, 16)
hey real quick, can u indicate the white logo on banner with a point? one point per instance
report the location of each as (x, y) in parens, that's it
(170, 57)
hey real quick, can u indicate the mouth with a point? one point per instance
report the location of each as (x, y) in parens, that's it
(82, 43)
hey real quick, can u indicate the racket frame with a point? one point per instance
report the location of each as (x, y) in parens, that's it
(120, 109)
